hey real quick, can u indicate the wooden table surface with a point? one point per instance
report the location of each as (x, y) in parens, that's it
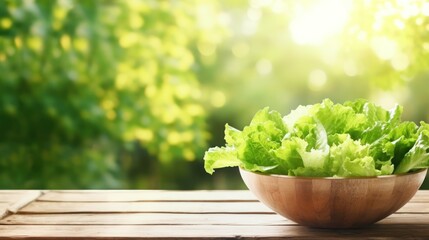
(156, 214)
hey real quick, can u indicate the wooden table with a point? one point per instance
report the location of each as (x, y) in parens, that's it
(150, 214)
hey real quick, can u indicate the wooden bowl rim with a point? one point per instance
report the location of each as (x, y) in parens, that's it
(337, 178)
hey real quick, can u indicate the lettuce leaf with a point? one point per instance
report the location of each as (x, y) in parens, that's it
(219, 157)
(357, 138)
(418, 156)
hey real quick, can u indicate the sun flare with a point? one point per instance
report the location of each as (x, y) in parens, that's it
(313, 24)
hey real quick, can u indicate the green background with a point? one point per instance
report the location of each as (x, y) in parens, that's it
(129, 94)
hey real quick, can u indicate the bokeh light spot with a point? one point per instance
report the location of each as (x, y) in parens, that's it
(383, 47)
(254, 14)
(206, 48)
(128, 39)
(111, 115)
(174, 138)
(240, 50)
(136, 21)
(188, 154)
(400, 61)
(143, 134)
(399, 24)
(350, 68)
(317, 80)
(81, 44)
(426, 46)
(35, 43)
(264, 67)
(18, 42)
(218, 99)
(5, 23)
(194, 110)
(65, 42)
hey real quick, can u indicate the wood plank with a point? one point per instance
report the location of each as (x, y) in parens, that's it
(146, 219)
(13, 191)
(415, 207)
(147, 195)
(4, 205)
(25, 199)
(421, 196)
(378, 231)
(163, 195)
(4, 209)
(162, 216)
(156, 207)
(6, 197)
(422, 193)
(407, 219)
(179, 219)
(171, 207)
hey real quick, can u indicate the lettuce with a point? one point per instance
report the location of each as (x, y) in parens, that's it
(357, 138)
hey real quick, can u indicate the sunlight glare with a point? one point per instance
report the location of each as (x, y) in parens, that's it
(425, 9)
(384, 47)
(254, 14)
(313, 24)
(400, 61)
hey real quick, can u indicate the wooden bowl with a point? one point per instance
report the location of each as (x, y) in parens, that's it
(334, 202)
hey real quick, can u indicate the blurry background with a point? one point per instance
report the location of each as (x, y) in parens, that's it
(129, 94)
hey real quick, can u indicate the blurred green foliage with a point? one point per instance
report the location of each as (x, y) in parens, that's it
(379, 53)
(129, 94)
(83, 81)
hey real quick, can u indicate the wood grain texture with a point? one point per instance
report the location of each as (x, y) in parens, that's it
(149, 214)
(146, 195)
(421, 196)
(4, 205)
(10, 196)
(24, 200)
(179, 219)
(12, 201)
(146, 219)
(154, 207)
(209, 232)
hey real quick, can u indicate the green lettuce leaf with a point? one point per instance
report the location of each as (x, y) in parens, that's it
(220, 157)
(418, 156)
(357, 138)
(288, 157)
